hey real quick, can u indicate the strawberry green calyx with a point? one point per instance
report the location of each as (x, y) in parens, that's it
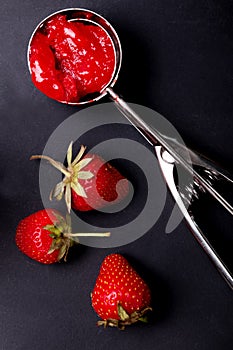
(63, 238)
(125, 318)
(58, 234)
(72, 174)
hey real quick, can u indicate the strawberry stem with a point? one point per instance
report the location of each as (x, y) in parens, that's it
(55, 163)
(87, 234)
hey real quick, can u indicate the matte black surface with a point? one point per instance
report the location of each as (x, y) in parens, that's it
(178, 60)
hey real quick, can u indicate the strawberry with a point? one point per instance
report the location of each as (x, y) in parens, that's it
(89, 182)
(45, 236)
(120, 296)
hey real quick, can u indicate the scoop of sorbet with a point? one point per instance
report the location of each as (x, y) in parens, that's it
(70, 60)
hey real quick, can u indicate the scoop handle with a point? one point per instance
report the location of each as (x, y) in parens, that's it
(154, 137)
(167, 168)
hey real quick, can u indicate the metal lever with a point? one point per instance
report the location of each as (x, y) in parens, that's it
(167, 162)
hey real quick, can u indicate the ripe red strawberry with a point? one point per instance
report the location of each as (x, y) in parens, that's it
(45, 236)
(39, 237)
(120, 296)
(89, 182)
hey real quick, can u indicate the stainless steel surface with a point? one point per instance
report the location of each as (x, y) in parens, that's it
(167, 164)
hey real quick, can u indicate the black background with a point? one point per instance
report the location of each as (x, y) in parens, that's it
(177, 59)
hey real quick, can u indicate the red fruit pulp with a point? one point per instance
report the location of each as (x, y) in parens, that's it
(70, 60)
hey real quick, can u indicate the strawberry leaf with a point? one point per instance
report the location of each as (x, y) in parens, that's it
(85, 175)
(79, 156)
(68, 197)
(53, 229)
(78, 189)
(62, 252)
(53, 247)
(58, 191)
(122, 313)
(84, 162)
(69, 154)
(143, 319)
(68, 223)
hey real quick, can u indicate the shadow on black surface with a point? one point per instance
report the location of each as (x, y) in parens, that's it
(75, 253)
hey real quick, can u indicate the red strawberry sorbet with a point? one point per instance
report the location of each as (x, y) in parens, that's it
(71, 59)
